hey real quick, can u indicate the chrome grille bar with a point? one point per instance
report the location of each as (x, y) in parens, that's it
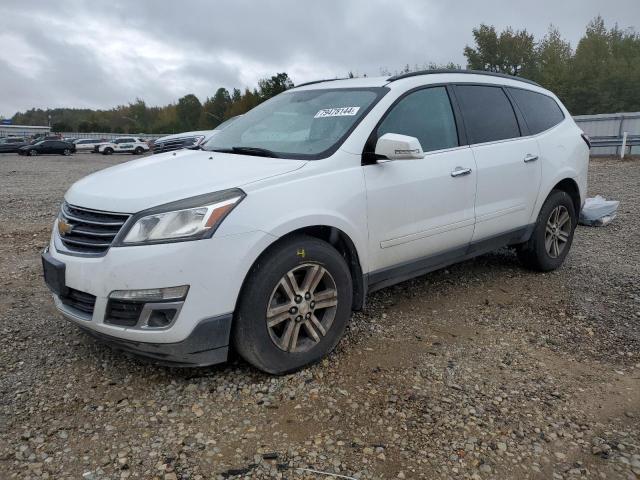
(90, 231)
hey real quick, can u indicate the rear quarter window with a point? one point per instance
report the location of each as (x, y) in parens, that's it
(488, 113)
(540, 111)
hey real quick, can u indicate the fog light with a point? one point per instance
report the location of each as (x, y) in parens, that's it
(161, 318)
(151, 294)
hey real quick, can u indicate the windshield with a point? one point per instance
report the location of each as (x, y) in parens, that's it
(297, 124)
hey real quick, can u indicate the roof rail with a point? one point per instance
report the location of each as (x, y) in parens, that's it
(320, 81)
(453, 70)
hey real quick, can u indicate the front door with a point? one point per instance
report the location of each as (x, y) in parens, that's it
(420, 212)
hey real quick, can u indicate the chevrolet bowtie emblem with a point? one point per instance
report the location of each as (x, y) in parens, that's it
(64, 227)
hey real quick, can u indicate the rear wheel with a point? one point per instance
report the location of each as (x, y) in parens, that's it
(66, 152)
(138, 151)
(294, 307)
(553, 234)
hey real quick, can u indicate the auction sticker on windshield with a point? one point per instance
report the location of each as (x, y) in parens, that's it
(337, 112)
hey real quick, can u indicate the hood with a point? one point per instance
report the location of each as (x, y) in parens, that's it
(155, 180)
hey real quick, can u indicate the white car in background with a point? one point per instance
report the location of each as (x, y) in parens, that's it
(191, 140)
(88, 144)
(135, 145)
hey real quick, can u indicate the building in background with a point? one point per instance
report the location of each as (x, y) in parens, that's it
(22, 130)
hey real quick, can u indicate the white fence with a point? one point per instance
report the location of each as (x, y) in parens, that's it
(610, 129)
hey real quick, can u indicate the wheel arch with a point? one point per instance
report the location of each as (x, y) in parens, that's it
(341, 242)
(570, 186)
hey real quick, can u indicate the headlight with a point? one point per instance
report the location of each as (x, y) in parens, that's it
(190, 219)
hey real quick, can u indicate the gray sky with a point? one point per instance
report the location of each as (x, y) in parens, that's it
(99, 54)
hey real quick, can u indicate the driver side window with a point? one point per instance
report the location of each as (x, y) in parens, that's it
(425, 114)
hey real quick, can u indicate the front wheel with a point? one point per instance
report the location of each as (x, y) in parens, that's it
(138, 151)
(553, 234)
(107, 151)
(33, 153)
(294, 307)
(66, 152)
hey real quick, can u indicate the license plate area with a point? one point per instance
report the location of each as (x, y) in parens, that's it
(54, 274)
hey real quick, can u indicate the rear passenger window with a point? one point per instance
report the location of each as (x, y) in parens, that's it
(425, 114)
(540, 111)
(488, 114)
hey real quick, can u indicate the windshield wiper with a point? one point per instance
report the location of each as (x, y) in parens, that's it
(256, 151)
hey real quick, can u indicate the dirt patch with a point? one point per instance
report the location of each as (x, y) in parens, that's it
(480, 370)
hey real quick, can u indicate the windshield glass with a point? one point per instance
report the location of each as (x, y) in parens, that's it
(297, 124)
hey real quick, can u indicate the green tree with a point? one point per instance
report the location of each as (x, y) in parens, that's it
(214, 109)
(511, 52)
(247, 101)
(188, 111)
(554, 57)
(270, 87)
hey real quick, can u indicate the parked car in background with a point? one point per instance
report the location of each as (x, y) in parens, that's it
(188, 139)
(12, 144)
(40, 137)
(268, 237)
(134, 145)
(179, 141)
(48, 147)
(89, 144)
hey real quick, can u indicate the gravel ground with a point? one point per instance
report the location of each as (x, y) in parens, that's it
(482, 370)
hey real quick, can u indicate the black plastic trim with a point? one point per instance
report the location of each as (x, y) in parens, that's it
(208, 344)
(399, 273)
(318, 81)
(468, 72)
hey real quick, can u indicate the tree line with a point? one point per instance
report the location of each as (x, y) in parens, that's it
(185, 115)
(601, 75)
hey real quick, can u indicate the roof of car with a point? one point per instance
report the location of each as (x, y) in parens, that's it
(426, 76)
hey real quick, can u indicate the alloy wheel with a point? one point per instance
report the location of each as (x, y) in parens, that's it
(557, 232)
(302, 308)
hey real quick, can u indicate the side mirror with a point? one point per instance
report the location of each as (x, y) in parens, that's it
(399, 147)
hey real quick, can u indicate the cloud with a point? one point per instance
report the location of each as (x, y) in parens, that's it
(100, 54)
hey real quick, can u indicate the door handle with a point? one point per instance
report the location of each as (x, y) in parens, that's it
(459, 171)
(530, 158)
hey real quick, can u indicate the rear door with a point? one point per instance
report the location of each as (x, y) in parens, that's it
(420, 210)
(508, 168)
(48, 147)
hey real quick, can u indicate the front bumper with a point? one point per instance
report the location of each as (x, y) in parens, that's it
(214, 269)
(206, 345)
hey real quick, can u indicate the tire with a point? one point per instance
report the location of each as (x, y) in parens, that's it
(552, 236)
(33, 153)
(107, 151)
(66, 152)
(268, 347)
(138, 151)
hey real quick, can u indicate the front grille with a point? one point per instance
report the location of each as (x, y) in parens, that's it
(85, 302)
(92, 231)
(170, 145)
(123, 314)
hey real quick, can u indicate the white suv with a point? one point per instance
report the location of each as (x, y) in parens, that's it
(134, 145)
(270, 236)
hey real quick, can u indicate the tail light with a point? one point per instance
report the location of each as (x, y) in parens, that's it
(586, 139)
